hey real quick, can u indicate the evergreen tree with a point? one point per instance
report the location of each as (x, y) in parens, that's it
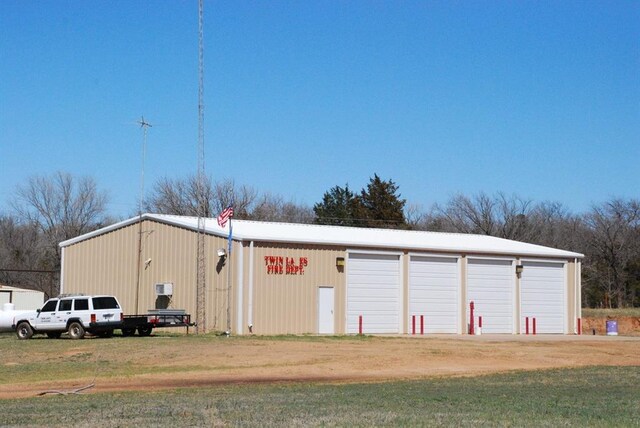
(338, 207)
(380, 205)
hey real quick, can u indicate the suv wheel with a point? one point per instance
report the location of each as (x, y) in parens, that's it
(24, 331)
(76, 331)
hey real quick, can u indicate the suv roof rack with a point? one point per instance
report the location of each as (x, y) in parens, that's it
(60, 296)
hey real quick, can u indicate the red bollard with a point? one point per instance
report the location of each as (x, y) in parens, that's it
(534, 326)
(413, 324)
(471, 327)
(360, 325)
(421, 324)
(579, 326)
(526, 325)
(480, 322)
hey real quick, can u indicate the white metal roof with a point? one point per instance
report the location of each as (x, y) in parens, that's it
(18, 290)
(351, 237)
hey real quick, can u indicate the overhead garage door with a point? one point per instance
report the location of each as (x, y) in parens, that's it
(373, 292)
(542, 296)
(490, 285)
(433, 293)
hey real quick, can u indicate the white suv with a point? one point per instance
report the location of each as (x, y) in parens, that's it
(78, 314)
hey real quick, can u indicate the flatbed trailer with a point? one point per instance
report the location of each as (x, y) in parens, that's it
(145, 323)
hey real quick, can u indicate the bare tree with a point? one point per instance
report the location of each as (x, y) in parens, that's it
(62, 207)
(416, 218)
(47, 210)
(275, 208)
(613, 247)
(553, 225)
(503, 216)
(25, 259)
(180, 197)
(242, 198)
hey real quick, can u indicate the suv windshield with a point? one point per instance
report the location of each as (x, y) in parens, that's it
(105, 303)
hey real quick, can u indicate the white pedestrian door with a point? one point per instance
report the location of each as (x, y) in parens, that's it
(325, 311)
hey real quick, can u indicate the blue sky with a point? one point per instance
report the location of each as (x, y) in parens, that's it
(540, 99)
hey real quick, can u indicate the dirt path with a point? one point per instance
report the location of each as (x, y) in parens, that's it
(345, 360)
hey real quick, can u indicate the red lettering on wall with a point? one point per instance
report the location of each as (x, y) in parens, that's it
(279, 265)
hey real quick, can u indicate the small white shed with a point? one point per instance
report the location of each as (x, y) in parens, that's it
(22, 298)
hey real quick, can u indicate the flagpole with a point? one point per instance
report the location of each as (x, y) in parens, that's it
(229, 278)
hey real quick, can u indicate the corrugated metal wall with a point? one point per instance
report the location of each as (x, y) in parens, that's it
(107, 265)
(287, 303)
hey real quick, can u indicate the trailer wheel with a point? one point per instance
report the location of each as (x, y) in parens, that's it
(24, 331)
(126, 332)
(145, 331)
(76, 331)
(54, 335)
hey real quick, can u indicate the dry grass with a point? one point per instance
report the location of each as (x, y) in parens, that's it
(596, 396)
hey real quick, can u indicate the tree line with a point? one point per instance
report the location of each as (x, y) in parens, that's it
(49, 209)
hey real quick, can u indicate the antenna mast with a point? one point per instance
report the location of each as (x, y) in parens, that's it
(201, 313)
(144, 125)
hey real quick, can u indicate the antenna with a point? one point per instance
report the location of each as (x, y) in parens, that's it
(145, 126)
(201, 313)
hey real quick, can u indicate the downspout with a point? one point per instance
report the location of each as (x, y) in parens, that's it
(240, 287)
(575, 300)
(579, 287)
(61, 271)
(250, 291)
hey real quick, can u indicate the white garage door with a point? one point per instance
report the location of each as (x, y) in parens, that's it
(542, 296)
(490, 285)
(373, 292)
(433, 293)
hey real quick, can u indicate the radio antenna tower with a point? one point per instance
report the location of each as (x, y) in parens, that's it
(201, 295)
(145, 126)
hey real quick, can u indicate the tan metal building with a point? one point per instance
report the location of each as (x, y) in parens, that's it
(295, 278)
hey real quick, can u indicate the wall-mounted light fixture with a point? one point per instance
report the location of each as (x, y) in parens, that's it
(222, 252)
(519, 269)
(339, 261)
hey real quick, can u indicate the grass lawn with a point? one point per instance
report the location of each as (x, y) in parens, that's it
(596, 396)
(624, 312)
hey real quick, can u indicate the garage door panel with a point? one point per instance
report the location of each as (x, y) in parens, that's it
(490, 286)
(442, 296)
(542, 295)
(365, 282)
(444, 309)
(434, 291)
(373, 292)
(372, 305)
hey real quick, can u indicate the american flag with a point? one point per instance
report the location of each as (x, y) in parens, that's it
(224, 216)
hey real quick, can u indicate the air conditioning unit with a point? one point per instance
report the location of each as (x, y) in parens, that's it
(164, 289)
